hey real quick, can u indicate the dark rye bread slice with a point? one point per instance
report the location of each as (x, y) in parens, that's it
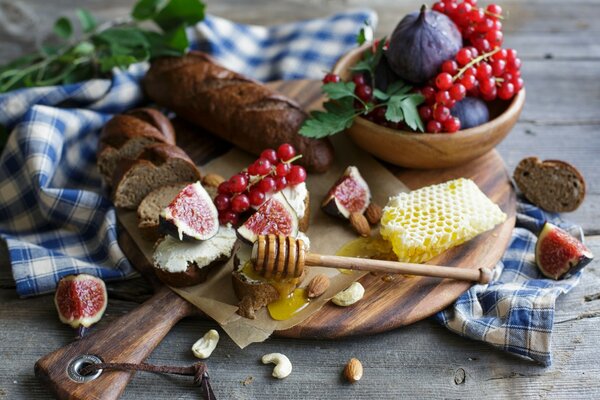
(150, 208)
(158, 165)
(552, 185)
(253, 294)
(125, 136)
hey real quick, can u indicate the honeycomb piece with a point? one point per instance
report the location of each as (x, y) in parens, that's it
(428, 221)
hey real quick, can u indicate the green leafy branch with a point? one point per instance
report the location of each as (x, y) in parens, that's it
(343, 105)
(102, 47)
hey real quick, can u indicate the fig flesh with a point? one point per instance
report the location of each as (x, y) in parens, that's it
(471, 112)
(80, 300)
(350, 194)
(559, 254)
(274, 216)
(421, 42)
(192, 215)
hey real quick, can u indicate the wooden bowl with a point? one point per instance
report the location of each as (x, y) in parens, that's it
(429, 150)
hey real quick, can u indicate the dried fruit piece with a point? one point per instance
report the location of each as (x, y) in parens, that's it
(274, 216)
(421, 42)
(557, 253)
(350, 194)
(80, 300)
(191, 215)
(353, 370)
(360, 224)
(317, 286)
(373, 213)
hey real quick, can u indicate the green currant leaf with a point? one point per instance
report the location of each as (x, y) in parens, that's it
(394, 109)
(86, 19)
(159, 47)
(177, 39)
(84, 48)
(63, 28)
(178, 12)
(338, 90)
(380, 95)
(117, 60)
(146, 9)
(411, 113)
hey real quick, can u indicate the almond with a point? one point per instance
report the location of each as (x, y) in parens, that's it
(212, 180)
(360, 224)
(373, 213)
(317, 286)
(353, 371)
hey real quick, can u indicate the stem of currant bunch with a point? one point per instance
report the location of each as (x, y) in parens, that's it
(475, 61)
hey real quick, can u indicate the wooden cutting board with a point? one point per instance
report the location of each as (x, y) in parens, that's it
(386, 305)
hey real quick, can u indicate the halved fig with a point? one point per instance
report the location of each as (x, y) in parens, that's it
(350, 194)
(191, 215)
(80, 300)
(274, 216)
(558, 254)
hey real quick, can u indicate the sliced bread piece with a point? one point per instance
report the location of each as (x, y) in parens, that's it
(152, 205)
(158, 165)
(125, 136)
(182, 264)
(552, 185)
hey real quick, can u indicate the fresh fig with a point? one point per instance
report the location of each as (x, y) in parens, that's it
(274, 216)
(471, 112)
(558, 254)
(421, 42)
(192, 215)
(350, 194)
(80, 300)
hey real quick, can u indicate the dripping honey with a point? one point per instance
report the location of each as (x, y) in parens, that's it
(375, 248)
(291, 300)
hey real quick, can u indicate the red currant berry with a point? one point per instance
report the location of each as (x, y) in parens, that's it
(474, 51)
(434, 127)
(518, 82)
(499, 55)
(224, 188)
(263, 166)
(425, 113)
(462, 12)
(358, 79)
(331, 78)
(490, 95)
(450, 67)
(458, 92)
(484, 70)
(283, 169)
(443, 81)
(494, 9)
(498, 67)
(228, 217)
(511, 55)
(484, 26)
(256, 196)
(439, 7)
(379, 114)
(468, 81)
(441, 113)
(222, 202)
(267, 184)
(442, 97)
(495, 38)
(451, 125)
(514, 65)
(471, 2)
(486, 85)
(286, 151)
(476, 15)
(482, 45)
(450, 8)
(269, 154)
(240, 203)
(429, 93)
(280, 183)
(297, 175)
(463, 57)
(469, 31)
(506, 91)
(252, 169)
(497, 25)
(364, 92)
(238, 183)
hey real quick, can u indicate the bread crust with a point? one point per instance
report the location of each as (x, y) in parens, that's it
(553, 185)
(190, 277)
(232, 106)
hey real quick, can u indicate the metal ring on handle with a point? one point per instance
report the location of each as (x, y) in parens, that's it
(78, 363)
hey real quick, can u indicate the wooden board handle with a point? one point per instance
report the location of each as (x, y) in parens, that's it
(129, 339)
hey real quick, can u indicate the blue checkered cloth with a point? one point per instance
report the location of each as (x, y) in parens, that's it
(56, 221)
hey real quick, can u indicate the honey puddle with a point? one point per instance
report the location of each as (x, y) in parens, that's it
(291, 300)
(375, 248)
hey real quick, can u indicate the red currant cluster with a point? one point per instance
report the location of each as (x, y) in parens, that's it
(270, 173)
(482, 69)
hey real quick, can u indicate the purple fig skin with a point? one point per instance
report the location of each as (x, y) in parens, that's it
(384, 75)
(471, 112)
(421, 42)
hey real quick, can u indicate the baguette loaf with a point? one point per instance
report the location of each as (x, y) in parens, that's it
(552, 185)
(158, 165)
(125, 136)
(232, 106)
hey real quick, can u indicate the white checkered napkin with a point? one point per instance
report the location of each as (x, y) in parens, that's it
(516, 311)
(52, 212)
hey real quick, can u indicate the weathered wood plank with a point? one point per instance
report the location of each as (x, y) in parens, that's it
(419, 361)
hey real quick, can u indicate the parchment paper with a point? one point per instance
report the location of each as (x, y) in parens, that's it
(216, 298)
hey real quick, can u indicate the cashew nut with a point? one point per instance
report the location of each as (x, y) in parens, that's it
(351, 295)
(283, 366)
(204, 347)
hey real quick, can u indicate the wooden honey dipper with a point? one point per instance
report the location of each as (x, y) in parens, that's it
(278, 257)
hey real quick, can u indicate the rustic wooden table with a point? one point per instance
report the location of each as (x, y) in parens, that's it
(557, 42)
